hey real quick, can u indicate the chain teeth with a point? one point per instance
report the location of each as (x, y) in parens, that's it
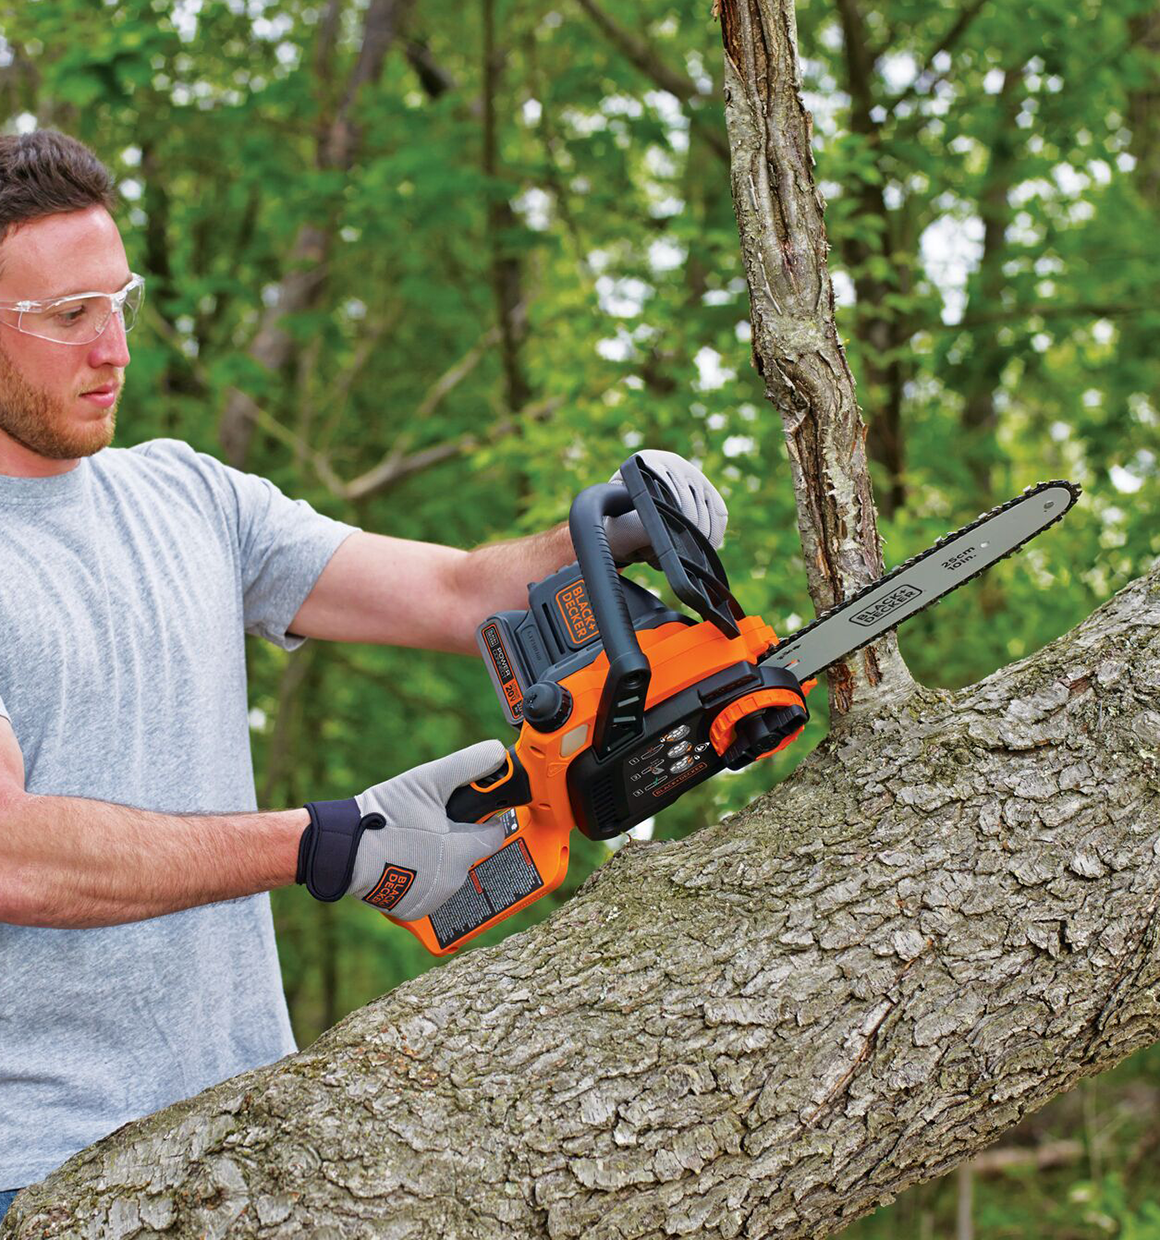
(1072, 488)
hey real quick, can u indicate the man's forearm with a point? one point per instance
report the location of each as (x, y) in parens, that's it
(68, 862)
(495, 577)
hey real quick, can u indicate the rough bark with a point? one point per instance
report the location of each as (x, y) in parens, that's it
(945, 916)
(796, 348)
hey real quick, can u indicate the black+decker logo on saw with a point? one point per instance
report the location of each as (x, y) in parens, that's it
(877, 611)
(392, 886)
(572, 602)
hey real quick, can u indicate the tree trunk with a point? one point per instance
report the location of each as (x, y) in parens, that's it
(981, 375)
(945, 916)
(506, 274)
(881, 329)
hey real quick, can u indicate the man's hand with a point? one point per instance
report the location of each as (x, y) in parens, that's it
(393, 845)
(695, 495)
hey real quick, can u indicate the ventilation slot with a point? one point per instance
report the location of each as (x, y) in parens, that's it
(604, 807)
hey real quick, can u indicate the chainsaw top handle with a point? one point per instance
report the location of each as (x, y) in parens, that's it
(620, 715)
(680, 551)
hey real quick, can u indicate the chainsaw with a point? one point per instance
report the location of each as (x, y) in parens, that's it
(623, 704)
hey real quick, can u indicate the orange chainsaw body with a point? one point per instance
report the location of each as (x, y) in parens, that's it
(680, 656)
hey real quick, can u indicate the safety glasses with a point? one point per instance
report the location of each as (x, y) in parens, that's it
(79, 318)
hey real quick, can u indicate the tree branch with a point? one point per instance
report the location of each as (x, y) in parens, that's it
(433, 77)
(393, 469)
(980, 375)
(305, 275)
(397, 464)
(926, 77)
(506, 268)
(880, 328)
(392, 461)
(796, 348)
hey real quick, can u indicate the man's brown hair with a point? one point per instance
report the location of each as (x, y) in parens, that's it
(45, 173)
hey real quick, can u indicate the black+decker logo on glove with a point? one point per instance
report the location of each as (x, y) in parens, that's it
(394, 884)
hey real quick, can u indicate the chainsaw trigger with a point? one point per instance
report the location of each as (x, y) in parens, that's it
(502, 789)
(493, 780)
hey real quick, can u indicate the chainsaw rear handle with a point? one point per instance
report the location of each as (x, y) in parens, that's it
(620, 714)
(504, 788)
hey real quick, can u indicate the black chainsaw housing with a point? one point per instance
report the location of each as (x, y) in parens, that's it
(609, 794)
(552, 638)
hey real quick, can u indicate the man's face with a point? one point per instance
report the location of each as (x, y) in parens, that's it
(59, 401)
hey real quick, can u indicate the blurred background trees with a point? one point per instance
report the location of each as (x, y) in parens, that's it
(435, 267)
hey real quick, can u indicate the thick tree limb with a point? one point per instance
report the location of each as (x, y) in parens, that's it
(945, 916)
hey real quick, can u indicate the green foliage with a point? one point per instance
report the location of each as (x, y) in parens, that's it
(628, 270)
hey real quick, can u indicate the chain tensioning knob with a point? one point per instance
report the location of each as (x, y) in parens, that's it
(757, 725)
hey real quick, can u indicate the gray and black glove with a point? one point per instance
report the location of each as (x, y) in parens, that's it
(393, 845)
(695, 495)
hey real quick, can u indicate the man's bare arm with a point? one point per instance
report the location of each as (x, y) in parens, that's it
(68, 862)
(396, 592)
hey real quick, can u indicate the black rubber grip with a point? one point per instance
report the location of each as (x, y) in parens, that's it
(586, 526)
(469, 804)
(620, 715)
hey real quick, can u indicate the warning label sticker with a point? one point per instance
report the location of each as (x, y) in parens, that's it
(492, 886)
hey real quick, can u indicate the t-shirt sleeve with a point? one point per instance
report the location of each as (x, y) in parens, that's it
(3, 711)
(283, 545)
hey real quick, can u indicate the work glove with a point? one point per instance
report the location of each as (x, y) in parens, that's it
(694, 495)
(393, 845)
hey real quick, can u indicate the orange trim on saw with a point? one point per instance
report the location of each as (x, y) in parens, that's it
(723, 730)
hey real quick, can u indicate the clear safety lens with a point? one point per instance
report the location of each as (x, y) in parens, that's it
(80, 320)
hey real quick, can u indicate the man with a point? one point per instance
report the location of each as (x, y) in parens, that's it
(137, 957)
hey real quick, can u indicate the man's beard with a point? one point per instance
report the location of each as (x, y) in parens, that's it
(41, 422)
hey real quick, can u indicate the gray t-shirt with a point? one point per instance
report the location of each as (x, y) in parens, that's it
(125, 587)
